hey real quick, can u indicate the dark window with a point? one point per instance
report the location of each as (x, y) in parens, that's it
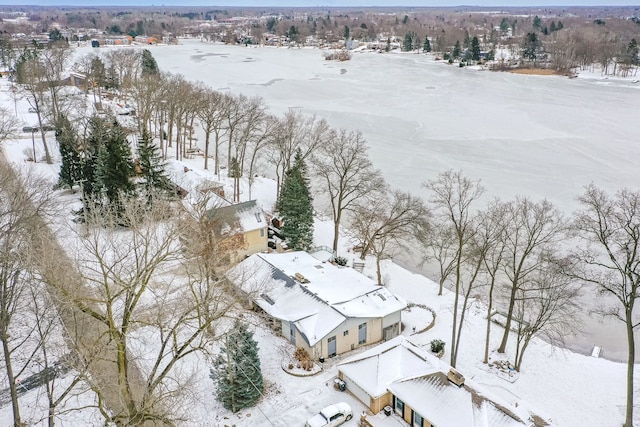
(400, 407)
(417, 420)
(335, 417)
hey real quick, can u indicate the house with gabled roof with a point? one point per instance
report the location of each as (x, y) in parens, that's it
(323, 308)
(416, 387)
(244, 223)
(240, 229)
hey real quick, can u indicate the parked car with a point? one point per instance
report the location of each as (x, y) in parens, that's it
(32, 110)
(28, 129)
(48, 128)
(332, 415)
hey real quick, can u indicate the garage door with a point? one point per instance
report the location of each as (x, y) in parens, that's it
(354, 389)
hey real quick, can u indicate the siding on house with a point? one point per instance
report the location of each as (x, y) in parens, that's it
(320, 299)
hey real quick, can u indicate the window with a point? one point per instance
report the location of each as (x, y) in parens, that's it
(345, 333)
(336, 417)
(399, 407)
(262, 232)
(417, 420)
(362, 333)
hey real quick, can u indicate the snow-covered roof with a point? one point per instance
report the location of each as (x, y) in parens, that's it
(241, 217)
(317, 296)
(440, 402)
(196, 183)
(397, 359)
(419, 379)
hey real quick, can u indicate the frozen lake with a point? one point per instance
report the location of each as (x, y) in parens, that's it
(545, 137)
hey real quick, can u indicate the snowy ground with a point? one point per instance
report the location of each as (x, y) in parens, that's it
(540, 136)
(568, 388)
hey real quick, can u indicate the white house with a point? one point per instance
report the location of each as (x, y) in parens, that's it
(422, 390)
(318, 306)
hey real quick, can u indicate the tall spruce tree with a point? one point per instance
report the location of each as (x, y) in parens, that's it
(237, 370)
(71, 167)
(407, 44)
(457, 49)
(115, 166)
(98, 133)
(154, 177)
(427, 45)
(475, 49)
(149, 65)
(296, 206)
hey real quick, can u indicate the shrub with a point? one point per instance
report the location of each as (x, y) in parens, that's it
(437, 345)
(340, 260)
(301, 354)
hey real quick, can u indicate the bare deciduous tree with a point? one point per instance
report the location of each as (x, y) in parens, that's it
(212, 112)
(55, 60)
(126, 62)
(452, 195)
(387, 223)
(22, 201)
(296, 132)
(145, 93)
(546, 305)
(248, 133)
(533, 229)
(610, 262)
(31, 75)
(136, 297)
(347, 175)
(8, 124)
(491, 229)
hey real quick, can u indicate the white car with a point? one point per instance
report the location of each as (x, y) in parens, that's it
(332, 415)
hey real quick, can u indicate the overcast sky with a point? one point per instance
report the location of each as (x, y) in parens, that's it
(307, 3)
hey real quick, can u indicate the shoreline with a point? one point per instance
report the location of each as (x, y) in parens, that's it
(408, 265)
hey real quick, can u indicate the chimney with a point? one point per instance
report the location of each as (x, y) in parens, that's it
(455, 377)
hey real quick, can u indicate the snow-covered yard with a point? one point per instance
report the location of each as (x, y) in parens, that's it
(563, 387)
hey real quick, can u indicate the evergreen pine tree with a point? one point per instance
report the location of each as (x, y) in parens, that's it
(295, 206)
(115, 166)
(237, 370)
(456, 50)
(154, 177)
(98, 133)
(407, 45)
(111, 80)
(71, 167)
(427, 45)
(475, 49)
(149, 64)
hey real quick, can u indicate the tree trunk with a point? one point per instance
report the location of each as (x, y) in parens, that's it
(507, 324)
(336, 231)
(378, 269)
(206, 150)
(488, 335)
(455, 306)
(521, 355)
(47, 155)
(13, 390)
(628, 422)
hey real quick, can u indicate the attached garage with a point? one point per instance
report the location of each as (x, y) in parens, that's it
(356, 390)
